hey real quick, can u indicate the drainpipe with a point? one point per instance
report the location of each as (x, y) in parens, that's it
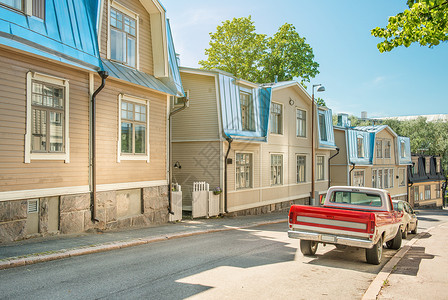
(350, 174)
(329, 168)
(103, 75)
(170, 179)
(229, 140)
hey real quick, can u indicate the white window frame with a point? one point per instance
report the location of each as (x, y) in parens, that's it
(386, 178)
(124, 156)
(322, 129)
(428, 192)
(391, 178)
(304, 171)
(132, 14)
(304, 123)
(379, 148)
(374, 178)
(29, 156)
(402, 179)
(388, 145)
(282, 169)
(251, 125)
(251, 185)
(27, 7)
(360, 151)
(317, 167)
(360, 172)
(280, 119)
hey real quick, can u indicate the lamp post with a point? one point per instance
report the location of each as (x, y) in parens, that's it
(320, 88)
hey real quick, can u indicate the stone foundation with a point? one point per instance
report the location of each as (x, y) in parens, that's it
(277, 207)
(114, 209)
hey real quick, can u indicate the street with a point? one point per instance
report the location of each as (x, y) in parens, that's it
(256, 263)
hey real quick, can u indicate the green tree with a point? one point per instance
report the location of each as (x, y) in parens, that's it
(236, 48)
(288, 56)
(425, 22)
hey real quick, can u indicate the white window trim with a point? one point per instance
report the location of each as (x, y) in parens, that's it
(29, 156)
(306, 123)
(142, 157)
(324, 165)
(283, 168)
(125, 10)
(306, 163)
(282, 120)
(363, 177)
(252, 173)
(399, 177)
(362, 143)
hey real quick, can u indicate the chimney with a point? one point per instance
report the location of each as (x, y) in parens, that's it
(343, 120)
(276, 79)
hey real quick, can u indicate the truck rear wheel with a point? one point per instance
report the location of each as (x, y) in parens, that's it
(308, 247)
(395, 243)
(373, 255)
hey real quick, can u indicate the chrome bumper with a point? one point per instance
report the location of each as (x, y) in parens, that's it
(331, 239)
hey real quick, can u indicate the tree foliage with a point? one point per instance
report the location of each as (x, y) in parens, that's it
(425, 22)
(236, 48)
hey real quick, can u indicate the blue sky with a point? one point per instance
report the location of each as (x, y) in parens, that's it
(357, 77)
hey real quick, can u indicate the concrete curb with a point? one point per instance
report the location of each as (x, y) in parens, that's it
(377, 284)
(13, 262)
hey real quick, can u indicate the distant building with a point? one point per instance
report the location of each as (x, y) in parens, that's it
(429, 118)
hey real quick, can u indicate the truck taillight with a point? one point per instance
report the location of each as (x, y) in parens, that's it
(291, 216)
(372, 223)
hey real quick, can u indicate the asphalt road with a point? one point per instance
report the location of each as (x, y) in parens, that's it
(257, 263)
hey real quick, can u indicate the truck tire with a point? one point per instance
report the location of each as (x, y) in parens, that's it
(308, 248)
(373, 255)
(395, 243)
(415, 230)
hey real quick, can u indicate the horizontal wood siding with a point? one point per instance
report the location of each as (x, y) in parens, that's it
(200, 120)
(144, 34)
(109, 170)
(15, 175)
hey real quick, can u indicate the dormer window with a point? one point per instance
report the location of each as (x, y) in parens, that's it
(403, 150)
(123, 37)
(360, 144)
(247, 111)
(379, 148)
(34, 8)
(322, 128)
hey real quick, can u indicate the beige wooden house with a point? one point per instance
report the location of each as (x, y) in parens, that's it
(76, 156)
(371, 156)
(260, 133)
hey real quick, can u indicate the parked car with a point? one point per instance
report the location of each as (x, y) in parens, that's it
(409, 220)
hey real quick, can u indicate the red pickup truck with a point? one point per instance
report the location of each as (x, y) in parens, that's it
(350, 216)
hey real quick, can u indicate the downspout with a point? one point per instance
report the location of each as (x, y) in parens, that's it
(170, 179)
(103, 75)
(350, 174)
(329, 168)
(229, 140)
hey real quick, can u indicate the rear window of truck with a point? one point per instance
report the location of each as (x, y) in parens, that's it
(356, 198)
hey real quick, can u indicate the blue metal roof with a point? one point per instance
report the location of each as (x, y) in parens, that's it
(68, 33)
(229, 90)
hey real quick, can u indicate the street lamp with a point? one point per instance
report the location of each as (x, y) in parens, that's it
(320, 88)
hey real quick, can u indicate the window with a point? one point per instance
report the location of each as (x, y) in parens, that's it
(427, 192)
(356, 198)
(380, 179)
(387, 149)
(374, 178)
(415, 168)
(402, 176)
(391, 178)
(276, 119)
(247, 111)
(47, 118)
(438, 190)
(301, 168)
(403, 150)
(123, 37)
(379, 148)
(322, 128)
(133, 131)
(416, 192)
(427, 165)
(360, 145)
(301, 123)
(243, 169)
(276, 169)
(386, 179)
(320, 168)
(34, 8)
(358, 178)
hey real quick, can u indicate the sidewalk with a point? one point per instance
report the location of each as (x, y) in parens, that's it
(417, 271)
(57, 247)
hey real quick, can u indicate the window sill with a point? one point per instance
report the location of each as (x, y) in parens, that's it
(135, 157)
(49, 156)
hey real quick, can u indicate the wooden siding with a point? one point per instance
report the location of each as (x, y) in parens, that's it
(108, 169)
(15, 175)
(144, 35)
(199, 162)
(200, 120)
